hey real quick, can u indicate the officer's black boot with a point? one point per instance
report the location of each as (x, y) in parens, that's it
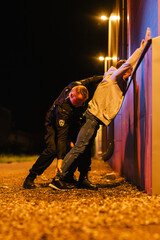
(84, 182)
(29, 182)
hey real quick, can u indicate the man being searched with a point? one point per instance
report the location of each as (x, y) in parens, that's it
(102, 109)
(62, 125)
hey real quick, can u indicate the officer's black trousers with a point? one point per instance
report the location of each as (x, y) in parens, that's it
(49, 154)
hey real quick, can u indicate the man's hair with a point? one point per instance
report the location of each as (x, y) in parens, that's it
(81, 90)
(120, 62)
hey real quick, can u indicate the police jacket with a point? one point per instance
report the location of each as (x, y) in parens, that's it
(64, 118)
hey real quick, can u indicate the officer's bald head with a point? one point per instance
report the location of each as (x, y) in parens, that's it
(78, 95)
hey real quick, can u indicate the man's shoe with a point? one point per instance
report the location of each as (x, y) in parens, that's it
(58, 184)
(85, 183)
(29, 183)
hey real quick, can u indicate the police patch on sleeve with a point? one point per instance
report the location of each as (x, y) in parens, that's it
(61, 122)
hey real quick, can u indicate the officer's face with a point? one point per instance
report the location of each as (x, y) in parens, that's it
(76, 100)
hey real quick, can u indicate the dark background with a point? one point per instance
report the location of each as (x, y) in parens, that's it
(44, 46)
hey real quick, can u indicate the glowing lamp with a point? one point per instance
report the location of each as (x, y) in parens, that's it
(101, 58)
(104, 18)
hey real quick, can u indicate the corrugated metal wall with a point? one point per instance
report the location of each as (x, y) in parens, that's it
(133, 125)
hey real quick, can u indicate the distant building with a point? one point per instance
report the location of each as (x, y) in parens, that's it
(5, 125)
(16, 141)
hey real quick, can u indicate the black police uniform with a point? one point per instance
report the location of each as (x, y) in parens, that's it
(63, 122)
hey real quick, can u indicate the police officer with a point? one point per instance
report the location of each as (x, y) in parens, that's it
(62, 125)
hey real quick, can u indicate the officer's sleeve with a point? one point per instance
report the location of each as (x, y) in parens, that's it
(91, 80)
(91, 84)
(62, 129)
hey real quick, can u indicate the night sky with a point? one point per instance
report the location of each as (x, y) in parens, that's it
(45, 46)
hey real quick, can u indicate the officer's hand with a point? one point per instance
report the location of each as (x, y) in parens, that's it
(71, 144)
(59, 165)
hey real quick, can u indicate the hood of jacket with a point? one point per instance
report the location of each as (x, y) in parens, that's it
(110, 71)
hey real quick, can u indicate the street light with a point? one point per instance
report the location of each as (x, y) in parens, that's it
(103, 134)
(113, 18)
(104, 18)
(105, 59)
(108, 132)
(101, 58)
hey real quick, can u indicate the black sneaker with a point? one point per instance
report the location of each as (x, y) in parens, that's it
(58, 184)
(86, 184)
(29, 183)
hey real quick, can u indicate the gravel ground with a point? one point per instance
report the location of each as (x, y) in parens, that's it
(117, 210)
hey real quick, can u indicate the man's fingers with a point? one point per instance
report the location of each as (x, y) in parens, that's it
(147, 37)
(143, 42)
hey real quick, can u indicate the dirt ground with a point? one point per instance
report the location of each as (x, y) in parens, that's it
(117, 210)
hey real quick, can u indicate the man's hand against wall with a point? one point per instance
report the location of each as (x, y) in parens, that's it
(143, 43)
(148, 34)
(147, 37)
